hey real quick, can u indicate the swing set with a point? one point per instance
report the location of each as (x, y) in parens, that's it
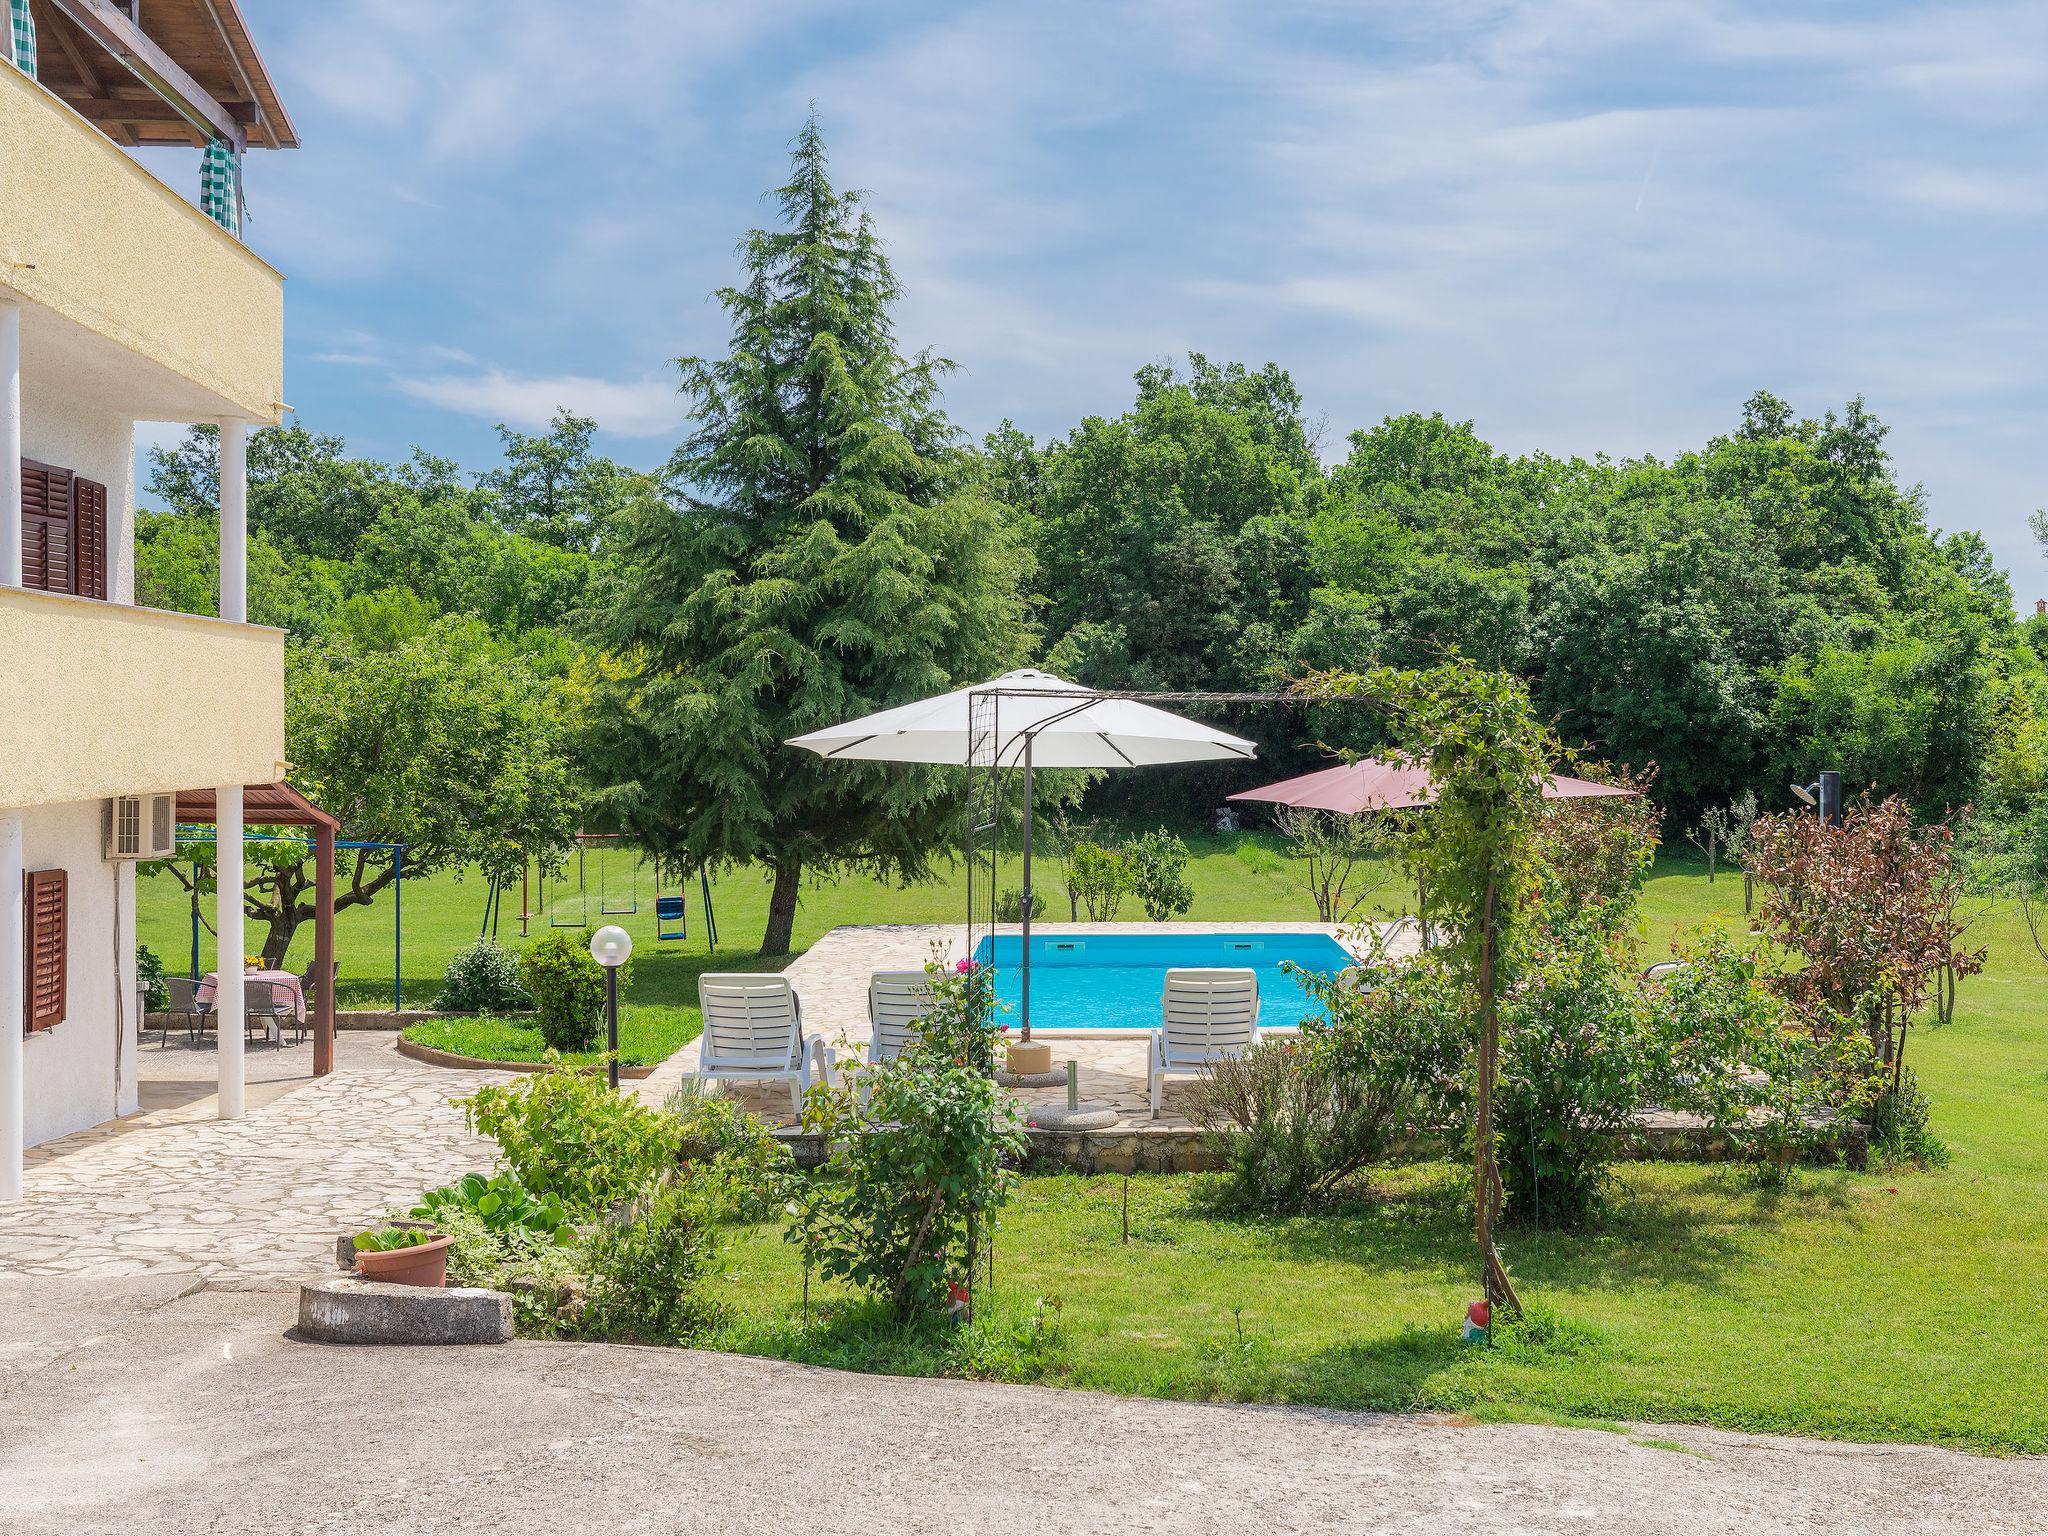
(565, 897)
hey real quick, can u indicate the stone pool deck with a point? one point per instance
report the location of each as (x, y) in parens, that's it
(831, 982)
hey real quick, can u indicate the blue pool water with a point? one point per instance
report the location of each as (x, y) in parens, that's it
(1113, 981)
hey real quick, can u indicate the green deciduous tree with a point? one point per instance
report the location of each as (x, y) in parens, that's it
(553, 488)
(436, 743)
(826, 549)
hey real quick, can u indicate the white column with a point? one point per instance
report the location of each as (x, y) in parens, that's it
(227, 962)
(234, 521)
(10, 444)
(11, 1006)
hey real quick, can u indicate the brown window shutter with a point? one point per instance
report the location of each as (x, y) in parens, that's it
(47, 543)
(89, 531)
(44, 939)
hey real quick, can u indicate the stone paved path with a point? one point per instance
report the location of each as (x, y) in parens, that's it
(180, 1191)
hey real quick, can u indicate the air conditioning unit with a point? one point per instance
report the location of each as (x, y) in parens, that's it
(142, 827)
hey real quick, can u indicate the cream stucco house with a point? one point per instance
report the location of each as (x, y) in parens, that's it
(120, 301)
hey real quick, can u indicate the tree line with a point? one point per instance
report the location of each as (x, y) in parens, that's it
(826, 541)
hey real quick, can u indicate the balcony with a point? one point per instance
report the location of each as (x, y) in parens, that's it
(111, 700)
(127, 288)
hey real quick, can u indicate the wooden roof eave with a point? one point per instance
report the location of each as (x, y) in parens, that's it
(263, 805)
(141, 85)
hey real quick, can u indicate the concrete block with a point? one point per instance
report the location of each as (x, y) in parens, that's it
(351, 1311)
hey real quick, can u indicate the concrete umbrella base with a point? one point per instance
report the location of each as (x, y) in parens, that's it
(1085, 1116)
(1032, 1079)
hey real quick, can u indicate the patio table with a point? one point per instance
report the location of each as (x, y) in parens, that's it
(278, 979)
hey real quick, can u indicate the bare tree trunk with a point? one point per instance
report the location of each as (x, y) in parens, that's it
(277, 941)
(782, 907)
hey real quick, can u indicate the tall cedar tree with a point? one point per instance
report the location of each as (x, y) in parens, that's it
(824, 548)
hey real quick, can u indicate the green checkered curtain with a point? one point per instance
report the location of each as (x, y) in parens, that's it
(24, 36)
(220, 186)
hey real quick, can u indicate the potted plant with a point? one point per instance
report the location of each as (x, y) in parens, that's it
(403, 1256)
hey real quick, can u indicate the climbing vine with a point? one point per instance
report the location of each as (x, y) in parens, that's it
(1488, 755)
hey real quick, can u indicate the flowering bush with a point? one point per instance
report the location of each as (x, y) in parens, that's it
(919, 1172)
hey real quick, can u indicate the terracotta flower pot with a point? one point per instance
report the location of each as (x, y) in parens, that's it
(422, 1264)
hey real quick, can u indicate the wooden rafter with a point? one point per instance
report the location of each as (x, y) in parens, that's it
(146, 60)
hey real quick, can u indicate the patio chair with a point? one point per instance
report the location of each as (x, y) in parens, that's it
(298, 1019)
(753, 1032)
(897, 1004)
(1206, 1014)
(264, 1007)
(309, 984)
(181, 1003)
(1662, 969)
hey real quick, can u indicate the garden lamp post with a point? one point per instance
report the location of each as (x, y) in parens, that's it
(611, 947)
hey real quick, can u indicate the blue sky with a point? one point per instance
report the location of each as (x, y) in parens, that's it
(1586, 226)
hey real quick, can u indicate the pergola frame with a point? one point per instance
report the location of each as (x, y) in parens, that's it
(984, 816)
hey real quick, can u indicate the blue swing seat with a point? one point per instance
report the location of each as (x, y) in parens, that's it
(667, 910)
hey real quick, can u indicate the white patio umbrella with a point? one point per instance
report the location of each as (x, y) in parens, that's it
(1039, 721)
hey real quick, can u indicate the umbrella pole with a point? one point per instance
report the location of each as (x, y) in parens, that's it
(1024, 963)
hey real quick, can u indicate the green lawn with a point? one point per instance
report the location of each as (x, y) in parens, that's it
(1890, 1305)
(1897, 1304)
(646, 1036)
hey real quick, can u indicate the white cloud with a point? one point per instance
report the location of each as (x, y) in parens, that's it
(631, 408)
(1448, 206)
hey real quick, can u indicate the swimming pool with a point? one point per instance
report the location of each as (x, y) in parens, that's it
(1113, 981)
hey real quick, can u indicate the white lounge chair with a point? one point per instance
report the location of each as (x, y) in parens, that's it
(897, 1004)
(1205, 1014)
(753, 1032)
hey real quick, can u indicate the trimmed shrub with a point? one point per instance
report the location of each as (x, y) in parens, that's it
(567, 987)
(484, 978)
(1010, 905)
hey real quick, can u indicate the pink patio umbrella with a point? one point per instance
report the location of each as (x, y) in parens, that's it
(1378, 784)
(1381, 784)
